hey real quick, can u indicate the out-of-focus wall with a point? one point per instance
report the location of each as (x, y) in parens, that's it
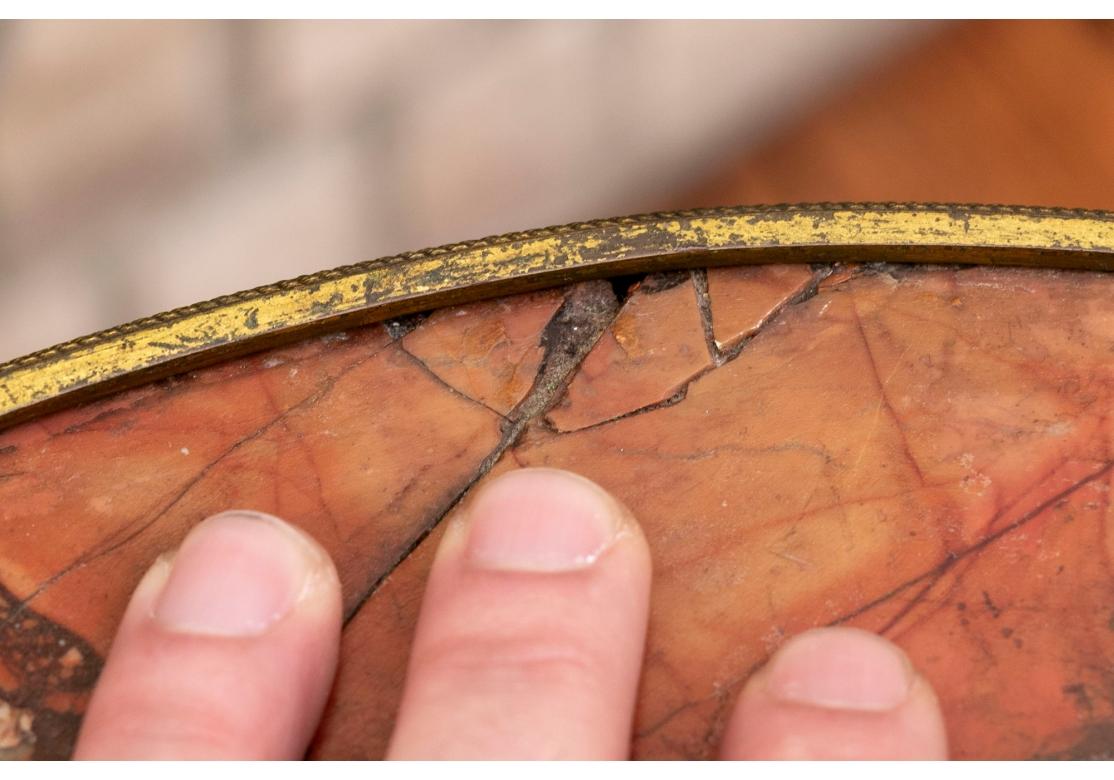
(147, 165)
(999, 111)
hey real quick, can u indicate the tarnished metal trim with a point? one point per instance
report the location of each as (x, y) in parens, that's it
(378, 289)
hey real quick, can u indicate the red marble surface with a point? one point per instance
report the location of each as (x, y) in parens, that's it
(923, 452)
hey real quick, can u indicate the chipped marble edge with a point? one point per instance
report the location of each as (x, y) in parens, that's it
(204, 333)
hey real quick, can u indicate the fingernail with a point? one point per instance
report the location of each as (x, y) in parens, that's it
(840, 669)
(541, 520)
(237, 574)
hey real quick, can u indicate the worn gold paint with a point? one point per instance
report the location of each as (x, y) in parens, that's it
(379, 289)
(634, 232)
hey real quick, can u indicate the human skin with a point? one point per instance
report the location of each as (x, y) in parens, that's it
(529, 646)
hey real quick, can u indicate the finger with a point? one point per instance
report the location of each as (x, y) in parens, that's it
(530, 639)
(226, 652)
(837, 693)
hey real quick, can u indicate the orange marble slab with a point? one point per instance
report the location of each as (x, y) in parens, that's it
(920, 451)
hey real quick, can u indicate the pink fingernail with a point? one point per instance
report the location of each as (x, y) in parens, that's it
(541, 520)
(236, 574)
(841, 669)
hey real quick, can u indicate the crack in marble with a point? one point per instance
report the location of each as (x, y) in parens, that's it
(130, 532)
(952, 559)
(810, 291)
(567, 339)
(1028, 439)
(704, 306)
(425, 369)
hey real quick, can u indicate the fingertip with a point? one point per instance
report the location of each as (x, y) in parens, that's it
(837, 693)
(542, 519)
(840, 669)
(227, 648)
(533, 625)
(239, 573)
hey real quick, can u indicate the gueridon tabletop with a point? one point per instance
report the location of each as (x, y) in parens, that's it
(891, 416)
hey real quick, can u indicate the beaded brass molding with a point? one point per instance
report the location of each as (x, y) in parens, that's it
(203, 333)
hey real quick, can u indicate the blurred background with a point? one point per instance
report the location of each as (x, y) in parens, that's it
(148, 165)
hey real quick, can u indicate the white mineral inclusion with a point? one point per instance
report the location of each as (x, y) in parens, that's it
(1061, 428)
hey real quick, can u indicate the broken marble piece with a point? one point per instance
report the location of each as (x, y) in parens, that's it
(488, 351)
(920, 451)
(742, 298)
(651, 349)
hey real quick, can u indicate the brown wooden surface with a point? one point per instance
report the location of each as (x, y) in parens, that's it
(984, 112)
(923, 452)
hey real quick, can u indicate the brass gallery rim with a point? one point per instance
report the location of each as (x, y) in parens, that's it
(375, 290)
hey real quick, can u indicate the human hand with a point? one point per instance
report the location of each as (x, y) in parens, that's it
(529, 645)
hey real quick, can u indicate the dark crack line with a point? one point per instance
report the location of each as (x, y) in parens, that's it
(91, 557)
(672, 400)
(943, 599)
(176, 384)
(808, 292)
(568, 341)
(141, 400)
(953, 558)
(934, 574)
(805, 294)
(425, 369)
(505, 441)
(113, 546)
(913, 603)
(658, 724)
(280, 418)
(722, 694)
(704, 306)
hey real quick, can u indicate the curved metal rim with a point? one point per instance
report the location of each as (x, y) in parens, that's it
(191, 336)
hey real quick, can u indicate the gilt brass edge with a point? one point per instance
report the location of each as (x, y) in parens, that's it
(375, 290)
